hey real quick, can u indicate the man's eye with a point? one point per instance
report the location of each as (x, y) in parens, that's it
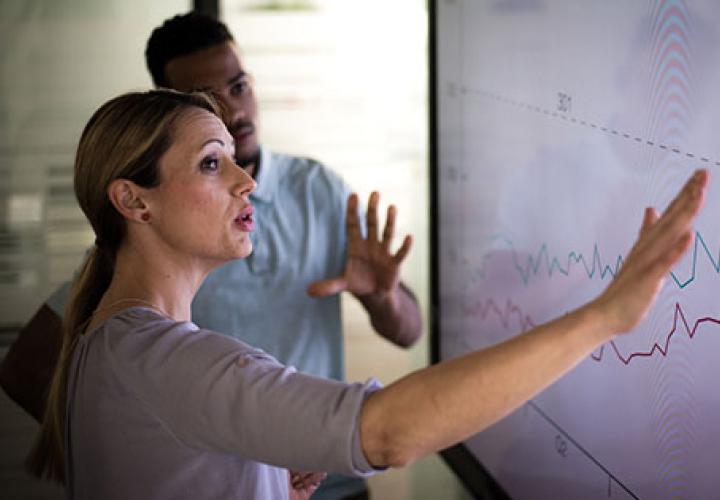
(210, 164)
(239, 87)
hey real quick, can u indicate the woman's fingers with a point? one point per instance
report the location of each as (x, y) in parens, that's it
(658, 236)
(661, 243)
(301, 480)
(691, 192)
(674, 254)
(683, 209)
(649, 218)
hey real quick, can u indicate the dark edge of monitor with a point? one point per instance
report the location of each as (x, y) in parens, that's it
(473, 475)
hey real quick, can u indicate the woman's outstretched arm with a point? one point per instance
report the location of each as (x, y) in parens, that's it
(437, 407)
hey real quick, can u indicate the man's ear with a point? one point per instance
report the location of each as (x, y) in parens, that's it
(127, 198)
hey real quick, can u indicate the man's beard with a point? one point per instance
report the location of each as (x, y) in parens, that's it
(249, 160)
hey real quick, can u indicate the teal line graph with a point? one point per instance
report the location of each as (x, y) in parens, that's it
(542, 262)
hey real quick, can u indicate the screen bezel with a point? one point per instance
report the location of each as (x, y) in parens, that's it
(465, 465)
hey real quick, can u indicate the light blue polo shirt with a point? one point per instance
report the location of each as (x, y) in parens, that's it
(300, 237)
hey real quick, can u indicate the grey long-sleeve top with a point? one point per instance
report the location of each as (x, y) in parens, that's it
(161, 409)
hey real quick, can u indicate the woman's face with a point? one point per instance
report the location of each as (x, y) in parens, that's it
(201, 208)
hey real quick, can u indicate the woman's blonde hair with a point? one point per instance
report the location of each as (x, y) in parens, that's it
(124, 139)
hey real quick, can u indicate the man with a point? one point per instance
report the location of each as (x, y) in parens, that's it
(289, 305)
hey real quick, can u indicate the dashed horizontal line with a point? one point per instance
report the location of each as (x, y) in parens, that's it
(576, 120)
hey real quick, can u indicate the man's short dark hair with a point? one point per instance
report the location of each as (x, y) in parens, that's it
(179, 36)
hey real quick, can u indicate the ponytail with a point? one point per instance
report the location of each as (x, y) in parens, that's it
(46, 458)
(124, 139)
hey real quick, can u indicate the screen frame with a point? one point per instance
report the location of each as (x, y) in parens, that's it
(459, 458)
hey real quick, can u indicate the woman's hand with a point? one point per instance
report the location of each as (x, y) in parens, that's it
(303, 484)
(661, 243)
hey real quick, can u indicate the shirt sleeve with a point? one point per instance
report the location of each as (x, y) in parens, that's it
(215, 393)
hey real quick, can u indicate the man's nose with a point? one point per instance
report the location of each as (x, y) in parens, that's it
(234, 108)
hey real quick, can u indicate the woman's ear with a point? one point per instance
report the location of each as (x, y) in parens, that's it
(127, 198)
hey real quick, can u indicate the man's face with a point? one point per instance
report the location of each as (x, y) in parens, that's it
(218, 69)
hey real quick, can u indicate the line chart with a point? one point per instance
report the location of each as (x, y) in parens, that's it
(555, 123)
(511, 311)
(541, 261)
(483, 309)
(658, 348)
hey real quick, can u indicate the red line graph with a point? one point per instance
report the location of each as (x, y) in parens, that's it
(510, 311)
(658, 348)
(483, 309)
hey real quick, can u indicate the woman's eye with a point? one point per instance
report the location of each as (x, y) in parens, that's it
(210, 164)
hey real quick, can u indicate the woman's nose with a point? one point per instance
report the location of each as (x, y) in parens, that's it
(244, 183)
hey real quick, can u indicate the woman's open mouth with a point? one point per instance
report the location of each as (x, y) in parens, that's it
(244, 220)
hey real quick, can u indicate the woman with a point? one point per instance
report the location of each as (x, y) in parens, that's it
(146, 405)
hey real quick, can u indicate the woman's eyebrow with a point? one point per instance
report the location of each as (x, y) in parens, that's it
(214, 139)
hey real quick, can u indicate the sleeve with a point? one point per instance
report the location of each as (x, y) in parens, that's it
(215, 393)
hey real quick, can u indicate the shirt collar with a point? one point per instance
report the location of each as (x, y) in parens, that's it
(266, 177)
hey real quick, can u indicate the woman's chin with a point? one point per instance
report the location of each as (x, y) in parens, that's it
(239, 249)
(245, 251)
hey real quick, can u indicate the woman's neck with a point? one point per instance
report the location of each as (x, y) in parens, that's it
(149, 279)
